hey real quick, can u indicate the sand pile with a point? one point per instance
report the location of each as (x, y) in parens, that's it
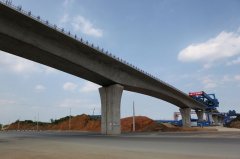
(235, 123)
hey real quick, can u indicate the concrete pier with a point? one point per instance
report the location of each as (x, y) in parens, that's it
(199, 115)
(186, 116)
(215, 119)
(110, 107)
(210, 118)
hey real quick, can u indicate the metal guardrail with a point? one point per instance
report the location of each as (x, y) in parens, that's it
(19, 9)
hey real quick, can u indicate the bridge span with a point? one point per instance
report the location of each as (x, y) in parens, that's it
(29, 37)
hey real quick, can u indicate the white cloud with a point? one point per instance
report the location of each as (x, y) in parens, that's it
(77, 103)
(78, 22)
(209, 83)
(4, 102)
(237, 77)
(69, 86)
(230, 78)
(234, 62)
(50, 70)
(89, 87)
(17, 64)
(81, 24)
(66, 3)
(226, 78)
(64, 19)
(207, 65)
(20, 65)
(238, 30)
(223, 46)
(40, 88)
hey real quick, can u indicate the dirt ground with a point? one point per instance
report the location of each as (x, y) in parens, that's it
(225, 129)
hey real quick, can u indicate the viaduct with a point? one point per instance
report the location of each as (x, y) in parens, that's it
(30, 37)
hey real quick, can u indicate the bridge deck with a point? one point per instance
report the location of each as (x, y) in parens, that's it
(31, 38)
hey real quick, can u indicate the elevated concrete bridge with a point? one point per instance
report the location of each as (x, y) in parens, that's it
(29, 37)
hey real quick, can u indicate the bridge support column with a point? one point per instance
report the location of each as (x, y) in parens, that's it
(215, 119)
(210, 118)
(199, 115)
(186, 116)
(110, 108)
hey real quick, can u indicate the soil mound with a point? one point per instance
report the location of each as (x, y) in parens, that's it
(92, 123)
(142, 124)
(80, 122)
(86, 123)
(25, 125)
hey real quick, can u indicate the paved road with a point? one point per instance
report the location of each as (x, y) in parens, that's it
(62, 145)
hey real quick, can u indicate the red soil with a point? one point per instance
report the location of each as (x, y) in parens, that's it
(85, 123)
(142, 123)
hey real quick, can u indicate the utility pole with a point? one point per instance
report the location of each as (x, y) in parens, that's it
(18, 123)
(133, 118)
(93, 111)
(37, 120)
(69, 124)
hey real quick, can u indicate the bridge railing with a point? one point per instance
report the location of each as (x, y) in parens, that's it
(19, 9)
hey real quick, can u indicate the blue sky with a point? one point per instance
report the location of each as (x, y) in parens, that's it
(193, 45)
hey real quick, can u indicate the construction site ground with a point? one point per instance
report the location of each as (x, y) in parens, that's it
(85, 145)
(225, 129)
(83, 140)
